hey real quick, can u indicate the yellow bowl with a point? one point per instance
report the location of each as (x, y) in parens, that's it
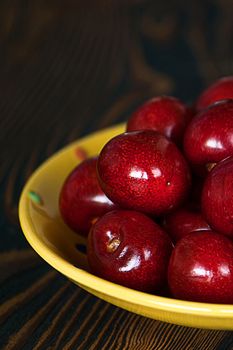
(57, 244)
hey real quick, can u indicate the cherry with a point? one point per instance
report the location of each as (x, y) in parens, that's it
(81, 199)
(209, 136)
(144, 171)
(164, 114)
(217, 204)
(201, 268)
(183, 221)
(128, 248)
(222, 89)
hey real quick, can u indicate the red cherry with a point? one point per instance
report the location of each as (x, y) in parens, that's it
(201, 268)
(164, 114)
(209, 136)
(128, 248)
(144, 171)
(183, 221)
(81, 199)
(217, 203)
(222, 89)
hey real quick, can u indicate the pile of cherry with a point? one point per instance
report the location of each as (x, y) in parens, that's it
(157, 203)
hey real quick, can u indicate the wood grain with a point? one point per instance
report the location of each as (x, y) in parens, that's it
(68, 68)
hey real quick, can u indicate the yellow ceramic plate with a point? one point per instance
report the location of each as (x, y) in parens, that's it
(57, 244)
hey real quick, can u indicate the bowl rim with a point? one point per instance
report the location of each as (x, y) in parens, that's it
(98, 284)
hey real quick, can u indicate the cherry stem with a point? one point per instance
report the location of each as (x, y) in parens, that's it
(113, 245)
(210, 166)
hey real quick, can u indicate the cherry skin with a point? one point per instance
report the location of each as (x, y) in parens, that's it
(209, 136)
(164, 114)
(183, 221)
(217, 194)
(201, 268)
(143, 171)
(222, 89)
(81, 199)
(128, 248)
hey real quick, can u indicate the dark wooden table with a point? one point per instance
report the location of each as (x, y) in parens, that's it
(68, 68)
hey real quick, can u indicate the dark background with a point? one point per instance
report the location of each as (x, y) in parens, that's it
(68, 68)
